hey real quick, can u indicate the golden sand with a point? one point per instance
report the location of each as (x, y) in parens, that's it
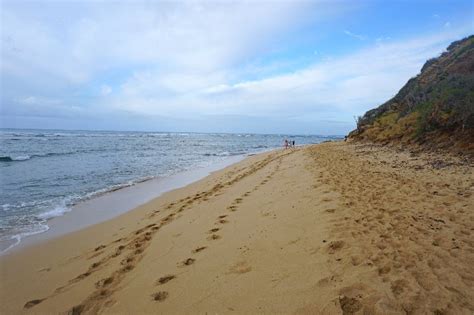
(334, 228)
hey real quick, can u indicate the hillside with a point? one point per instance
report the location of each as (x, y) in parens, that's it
(435, 109)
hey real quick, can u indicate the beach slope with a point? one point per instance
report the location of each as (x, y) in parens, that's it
(335, 228)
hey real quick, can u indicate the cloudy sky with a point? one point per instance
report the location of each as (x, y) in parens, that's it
(304, 67)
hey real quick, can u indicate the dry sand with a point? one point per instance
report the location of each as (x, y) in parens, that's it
(328, 229)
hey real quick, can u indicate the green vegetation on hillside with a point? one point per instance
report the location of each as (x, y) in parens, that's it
(435, 105)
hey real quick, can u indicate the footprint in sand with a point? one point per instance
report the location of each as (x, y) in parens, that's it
(81, 276)
(78, 309)
(95, 265)
(127, 268)
(187, 262)
(127, 260)
(399, 286)
(222, 221)
(349, 305)
(213, 230)
(121, 247)
(197, 250)
(32, 303)
(160, 296)
(165, 279)
(99, 248)
(384, 269)
(335, 246)
(214, 237)
(104, 282)
(168, 218)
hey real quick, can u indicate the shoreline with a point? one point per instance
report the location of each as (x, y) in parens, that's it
(324, 229)
(115, 202)
(73, 167)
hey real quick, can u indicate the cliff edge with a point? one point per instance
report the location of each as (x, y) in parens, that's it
(435, 109)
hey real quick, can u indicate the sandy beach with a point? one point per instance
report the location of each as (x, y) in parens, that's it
(334, 228)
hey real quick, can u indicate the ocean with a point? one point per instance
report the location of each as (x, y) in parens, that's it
(43, 173)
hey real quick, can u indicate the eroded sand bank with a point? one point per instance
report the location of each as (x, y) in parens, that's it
(332, 228)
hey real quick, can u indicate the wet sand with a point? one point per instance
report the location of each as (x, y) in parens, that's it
(334, 228)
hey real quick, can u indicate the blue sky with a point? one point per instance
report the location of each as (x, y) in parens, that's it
(302, 67)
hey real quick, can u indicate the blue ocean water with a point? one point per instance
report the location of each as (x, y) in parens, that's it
(45, 172)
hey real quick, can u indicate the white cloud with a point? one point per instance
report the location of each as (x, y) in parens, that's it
(350, 84)
(91, 37)
(357, 36)
(37, 100)
(447, 24)
(382, 38)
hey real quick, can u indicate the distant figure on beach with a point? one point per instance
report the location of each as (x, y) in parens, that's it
(293, 143)
(285, 143)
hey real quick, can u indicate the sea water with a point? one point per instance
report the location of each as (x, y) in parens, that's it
(43, 173)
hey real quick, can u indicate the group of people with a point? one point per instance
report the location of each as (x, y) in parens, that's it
(289, 143)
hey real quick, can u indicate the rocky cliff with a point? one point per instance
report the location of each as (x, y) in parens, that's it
(434, 109)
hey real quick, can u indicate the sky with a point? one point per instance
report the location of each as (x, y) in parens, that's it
(296, 67)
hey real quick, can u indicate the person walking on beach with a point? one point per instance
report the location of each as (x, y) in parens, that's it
(285, 143)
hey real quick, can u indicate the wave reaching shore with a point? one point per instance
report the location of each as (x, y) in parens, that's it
(45, 173)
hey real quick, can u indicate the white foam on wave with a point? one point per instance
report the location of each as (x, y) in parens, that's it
(7, 158)
(39, 227)
(16, 239)
(60, 209)
(56, 212)
(21, 158)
